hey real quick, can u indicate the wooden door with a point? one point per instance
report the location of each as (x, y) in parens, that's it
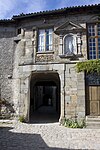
(94, 98)
(93, 95)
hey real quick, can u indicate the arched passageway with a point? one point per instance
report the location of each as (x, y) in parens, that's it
(44, 97)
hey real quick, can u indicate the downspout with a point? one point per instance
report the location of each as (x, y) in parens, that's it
(64, 87)
(19, 101)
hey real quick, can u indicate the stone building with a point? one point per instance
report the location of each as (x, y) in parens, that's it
(38, 55)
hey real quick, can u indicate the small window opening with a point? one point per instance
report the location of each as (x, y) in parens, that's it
(18, 31)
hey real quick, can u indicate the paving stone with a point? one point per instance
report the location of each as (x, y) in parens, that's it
(23, 136)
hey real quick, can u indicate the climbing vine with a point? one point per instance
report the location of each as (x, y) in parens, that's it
(89, 66)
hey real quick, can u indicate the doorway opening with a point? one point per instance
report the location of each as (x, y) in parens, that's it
(44, 98)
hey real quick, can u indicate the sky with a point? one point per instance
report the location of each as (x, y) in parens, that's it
(8, 8)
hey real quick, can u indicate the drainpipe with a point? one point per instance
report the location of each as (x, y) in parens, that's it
(19, 101)
(64, 87)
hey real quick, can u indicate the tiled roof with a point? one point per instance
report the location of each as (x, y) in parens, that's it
(52, 12)
(6, 20)
(56, 11)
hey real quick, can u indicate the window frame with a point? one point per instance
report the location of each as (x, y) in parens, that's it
(45, 45)
(95, 37)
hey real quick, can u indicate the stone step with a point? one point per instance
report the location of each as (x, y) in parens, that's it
(93, 122)
(94, 125)
(90, 119)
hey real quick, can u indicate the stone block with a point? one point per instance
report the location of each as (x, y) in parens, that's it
(73, 98)
(67, 92)
(73, 92)
(80, 76)
(81, 86)
(81, 92)
(80, 109)
(58, 67)
(81, 114)
(26, 68)
(67, 99)
(81, 100)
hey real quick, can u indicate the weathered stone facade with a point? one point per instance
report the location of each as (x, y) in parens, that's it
(19, 58)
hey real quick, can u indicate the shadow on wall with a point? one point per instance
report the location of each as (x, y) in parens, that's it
(20, 141)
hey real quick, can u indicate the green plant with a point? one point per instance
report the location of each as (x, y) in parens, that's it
(21, 118)
(89, 66)
(70, 123)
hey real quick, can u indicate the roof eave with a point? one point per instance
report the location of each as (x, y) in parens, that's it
(66, 10)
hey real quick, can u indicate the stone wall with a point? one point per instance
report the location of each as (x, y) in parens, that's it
(6, 109)
(6, 64)
(29, 38)
(72, 88)
(19, 59)
(6, 67)
(74, 93)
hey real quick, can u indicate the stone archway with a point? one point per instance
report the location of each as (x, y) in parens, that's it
(29, 75)
(45, 97)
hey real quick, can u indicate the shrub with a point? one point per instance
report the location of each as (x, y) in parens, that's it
(70, 123)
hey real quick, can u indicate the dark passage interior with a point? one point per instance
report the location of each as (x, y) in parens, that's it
(44, 98)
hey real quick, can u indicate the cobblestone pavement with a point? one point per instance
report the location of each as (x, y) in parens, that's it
(23, 136)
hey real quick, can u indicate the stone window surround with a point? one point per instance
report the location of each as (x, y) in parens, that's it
(77, 37)
(74, 37)
(37, 34)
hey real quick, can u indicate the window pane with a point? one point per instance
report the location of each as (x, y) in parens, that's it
(49, 39)
(93, 41)
(94, 57)
(98, 41)
(98, 29)
(45, 40)
(41, 43)
(92, 48)
(91, 30)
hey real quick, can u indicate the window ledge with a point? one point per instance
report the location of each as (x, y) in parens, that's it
(70, 55)
(79, 55)
(46, 52)
(67, 55)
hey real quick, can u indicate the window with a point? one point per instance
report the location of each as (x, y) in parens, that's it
(18, 31)
(94, 41)
(69, 44)
(45, 39)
